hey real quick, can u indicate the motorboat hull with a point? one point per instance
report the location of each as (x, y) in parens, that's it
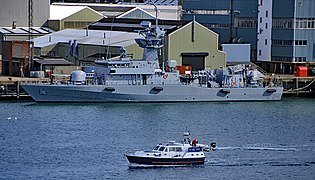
(164, 161)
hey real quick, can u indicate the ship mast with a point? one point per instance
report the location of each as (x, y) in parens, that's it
(152, 40)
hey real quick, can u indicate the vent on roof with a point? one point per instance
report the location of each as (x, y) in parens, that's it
(14, 25)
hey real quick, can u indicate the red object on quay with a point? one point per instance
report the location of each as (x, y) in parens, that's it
(300, 71)
(184, 70)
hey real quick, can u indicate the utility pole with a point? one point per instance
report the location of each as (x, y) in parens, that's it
(30, 35)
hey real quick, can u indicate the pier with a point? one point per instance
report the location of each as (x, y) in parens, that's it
(10, 86)
(294, 85)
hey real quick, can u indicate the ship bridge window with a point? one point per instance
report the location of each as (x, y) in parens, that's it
(161, 148)
(178, 149)
(171, 149)
(156, 148)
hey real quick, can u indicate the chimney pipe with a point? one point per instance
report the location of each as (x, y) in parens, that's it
(14, 25)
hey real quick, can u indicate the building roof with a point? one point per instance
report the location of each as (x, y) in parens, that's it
(133, 25)
(25, 30)
(114, 10)
(54, 61)
(95, 37)
(157, 2)
(136, 13)
(59, 12)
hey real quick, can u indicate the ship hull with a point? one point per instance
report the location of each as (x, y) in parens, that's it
(147, 93)
(164, 161)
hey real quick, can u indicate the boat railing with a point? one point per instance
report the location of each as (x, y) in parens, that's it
(259, 68)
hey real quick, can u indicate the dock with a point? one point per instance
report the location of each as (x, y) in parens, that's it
(294, 85)
(10, 86)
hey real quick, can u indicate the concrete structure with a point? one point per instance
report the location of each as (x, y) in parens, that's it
(17, 11)
(285, 29)
(62, 17)
(264, 30)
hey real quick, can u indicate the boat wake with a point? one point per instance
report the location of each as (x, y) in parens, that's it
(259, 148)
(262, 155)
(256, 162)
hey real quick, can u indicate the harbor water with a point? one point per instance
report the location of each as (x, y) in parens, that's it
(256, 140)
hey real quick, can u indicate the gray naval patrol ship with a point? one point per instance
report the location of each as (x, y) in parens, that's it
(128, 80)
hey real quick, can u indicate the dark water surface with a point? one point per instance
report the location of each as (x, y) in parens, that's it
(256, 140)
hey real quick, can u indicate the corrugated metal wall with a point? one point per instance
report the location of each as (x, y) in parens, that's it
(17, 10)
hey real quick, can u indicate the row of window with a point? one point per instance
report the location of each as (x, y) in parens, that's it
(281, 58)
(246, 22)
(277, 23)
(300, 59)
(217, 25)
(251, 22)
(219, 12)
(282, 23)
(288, 59)
(305, 23)
(278, 42)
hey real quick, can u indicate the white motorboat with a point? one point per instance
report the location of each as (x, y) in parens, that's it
(172, 153)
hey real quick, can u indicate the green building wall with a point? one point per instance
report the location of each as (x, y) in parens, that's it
(195, 38)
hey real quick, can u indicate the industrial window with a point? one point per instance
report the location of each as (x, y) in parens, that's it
(266, 42)
(281, 58)
(260, 20)
(266, 26)
(277, 42)
(300, 42)
(18, 51)
(300, 59)
(216, 25)
(259, 52)
(203, 11)
(282, 23)
(266, 13)
(247, 22)
(305, 23)
(261, 2)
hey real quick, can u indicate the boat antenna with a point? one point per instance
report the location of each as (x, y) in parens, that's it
(156, 13)
(110, 35)
(157, 31)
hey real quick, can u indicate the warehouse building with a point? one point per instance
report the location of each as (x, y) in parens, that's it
(278, 30)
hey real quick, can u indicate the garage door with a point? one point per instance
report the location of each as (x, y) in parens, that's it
(196, 60)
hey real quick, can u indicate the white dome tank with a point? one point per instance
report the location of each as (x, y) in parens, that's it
(78, 76)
